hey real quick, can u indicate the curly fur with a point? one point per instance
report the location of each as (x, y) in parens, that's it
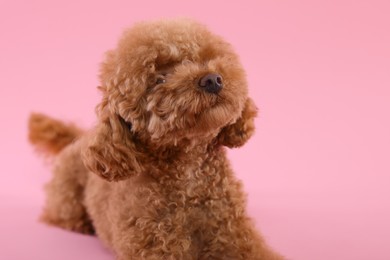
(152, 178)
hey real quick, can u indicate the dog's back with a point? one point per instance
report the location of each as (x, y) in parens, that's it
(65, 192)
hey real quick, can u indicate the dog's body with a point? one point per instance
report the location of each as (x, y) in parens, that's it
(163, 187)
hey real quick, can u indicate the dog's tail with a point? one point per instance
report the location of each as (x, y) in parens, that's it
(50, 135)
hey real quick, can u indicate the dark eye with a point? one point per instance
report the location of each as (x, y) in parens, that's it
(160, 80)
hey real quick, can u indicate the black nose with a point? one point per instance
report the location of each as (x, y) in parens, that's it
(211, 83)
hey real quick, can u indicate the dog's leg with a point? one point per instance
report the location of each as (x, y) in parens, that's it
(236, 240)
(150, 238)
(151, 242)
(228, 232)
(64, 204)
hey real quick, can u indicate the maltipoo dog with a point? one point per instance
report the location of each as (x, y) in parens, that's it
(152, 179)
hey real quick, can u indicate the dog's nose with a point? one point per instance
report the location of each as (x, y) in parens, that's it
(211, 83)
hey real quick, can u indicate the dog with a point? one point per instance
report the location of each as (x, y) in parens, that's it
(152, 179)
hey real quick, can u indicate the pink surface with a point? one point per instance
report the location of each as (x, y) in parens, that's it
(317, 171)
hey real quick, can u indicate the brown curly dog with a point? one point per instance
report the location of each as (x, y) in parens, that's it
(152, 178)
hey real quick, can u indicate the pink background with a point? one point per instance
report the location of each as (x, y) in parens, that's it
(317, 171)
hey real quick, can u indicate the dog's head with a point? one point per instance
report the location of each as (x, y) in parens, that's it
(169, 83)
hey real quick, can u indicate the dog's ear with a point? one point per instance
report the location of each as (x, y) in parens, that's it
(110, 151)
(236, 134)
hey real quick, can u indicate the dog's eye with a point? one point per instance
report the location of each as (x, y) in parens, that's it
(160, 80)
